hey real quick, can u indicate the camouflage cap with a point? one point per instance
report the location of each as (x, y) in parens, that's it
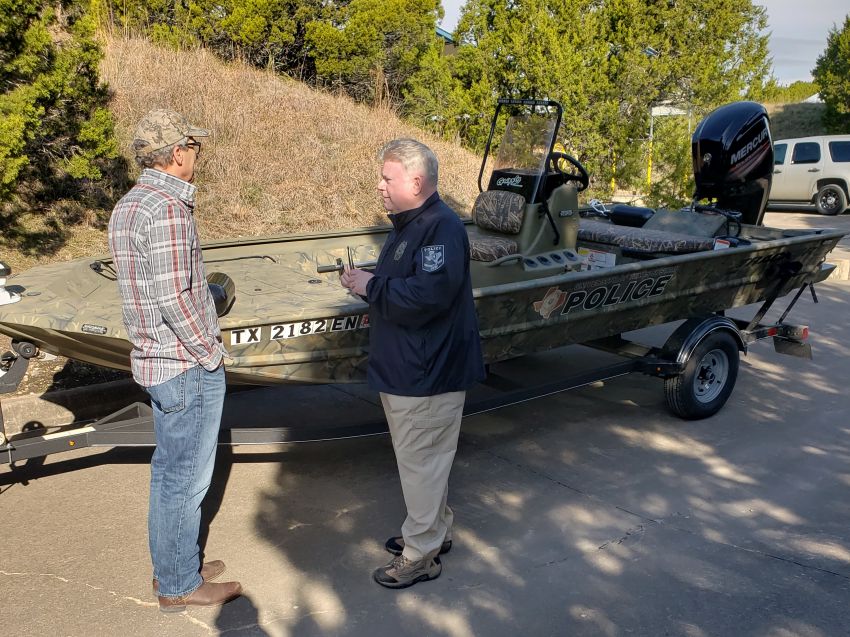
(161, 128)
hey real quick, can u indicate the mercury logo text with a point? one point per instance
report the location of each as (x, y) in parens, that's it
(746, 150)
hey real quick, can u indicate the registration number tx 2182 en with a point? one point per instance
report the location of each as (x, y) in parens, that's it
(283, 331)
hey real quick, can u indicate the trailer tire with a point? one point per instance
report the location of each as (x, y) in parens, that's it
(25, 349)
(707, 379)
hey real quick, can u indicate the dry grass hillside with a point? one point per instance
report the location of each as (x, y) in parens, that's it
(282, 157)
(795, 120)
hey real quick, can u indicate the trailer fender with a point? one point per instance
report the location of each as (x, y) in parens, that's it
(684, 340)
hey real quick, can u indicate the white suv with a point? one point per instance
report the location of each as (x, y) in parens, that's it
(812, 170)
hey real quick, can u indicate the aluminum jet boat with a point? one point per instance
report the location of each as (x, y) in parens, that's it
(546, 271)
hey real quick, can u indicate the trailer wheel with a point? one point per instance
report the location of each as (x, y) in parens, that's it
(25, 349)
(707, 379)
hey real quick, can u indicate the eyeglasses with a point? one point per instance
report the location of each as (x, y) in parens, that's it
(194, 145)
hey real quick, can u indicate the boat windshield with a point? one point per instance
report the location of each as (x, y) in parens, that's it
(525, 145)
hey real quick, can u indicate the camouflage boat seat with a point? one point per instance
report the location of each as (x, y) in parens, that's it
(499, 214)
(642, 240)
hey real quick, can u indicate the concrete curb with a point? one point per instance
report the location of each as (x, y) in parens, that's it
(63, 407)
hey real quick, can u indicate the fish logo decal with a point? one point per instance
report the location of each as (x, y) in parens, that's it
(552, 301)
(433, 258)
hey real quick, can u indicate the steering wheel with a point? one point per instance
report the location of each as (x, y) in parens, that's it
(580, 175)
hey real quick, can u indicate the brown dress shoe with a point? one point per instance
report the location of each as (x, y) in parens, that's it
(207, 594)
(209, 571)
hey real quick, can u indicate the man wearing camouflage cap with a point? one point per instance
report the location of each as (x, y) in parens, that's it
(177, 353)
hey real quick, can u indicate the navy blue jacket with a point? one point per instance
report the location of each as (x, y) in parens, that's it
(423, 330)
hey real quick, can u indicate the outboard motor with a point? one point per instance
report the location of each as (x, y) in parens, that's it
(733, 159)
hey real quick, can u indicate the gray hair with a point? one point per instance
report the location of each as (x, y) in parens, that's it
(413, 155)
(161, 157)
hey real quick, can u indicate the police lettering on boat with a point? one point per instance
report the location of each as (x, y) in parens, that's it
(602, 294)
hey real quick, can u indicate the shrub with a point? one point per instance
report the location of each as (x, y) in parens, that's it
(56, 135)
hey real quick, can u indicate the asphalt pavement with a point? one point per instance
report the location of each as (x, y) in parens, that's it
(590, 512)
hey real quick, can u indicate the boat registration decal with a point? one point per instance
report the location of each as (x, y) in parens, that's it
(283, 331)
(88, 328)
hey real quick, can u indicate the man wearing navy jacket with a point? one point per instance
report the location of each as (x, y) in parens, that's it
(425, 350)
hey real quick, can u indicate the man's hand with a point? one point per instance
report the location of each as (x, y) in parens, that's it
(355, 280)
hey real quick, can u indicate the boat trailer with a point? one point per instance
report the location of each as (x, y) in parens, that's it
(698, 363)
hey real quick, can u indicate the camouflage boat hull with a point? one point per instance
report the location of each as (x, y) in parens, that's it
(290, 324)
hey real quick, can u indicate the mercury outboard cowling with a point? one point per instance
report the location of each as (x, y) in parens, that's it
(733, 159)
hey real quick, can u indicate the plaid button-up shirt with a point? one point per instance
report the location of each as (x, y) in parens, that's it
(168, 310)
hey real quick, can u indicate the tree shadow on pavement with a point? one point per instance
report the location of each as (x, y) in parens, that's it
(592, 512)
(240, 617)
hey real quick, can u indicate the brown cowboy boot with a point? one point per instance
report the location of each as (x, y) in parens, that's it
(207, 594)
(209, 571)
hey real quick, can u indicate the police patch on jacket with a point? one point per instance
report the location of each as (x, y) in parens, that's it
(399, 250)
(433, 258)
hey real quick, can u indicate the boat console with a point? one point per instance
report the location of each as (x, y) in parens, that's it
(528, 223)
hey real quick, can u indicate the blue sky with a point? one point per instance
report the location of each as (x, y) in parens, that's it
(798, 32)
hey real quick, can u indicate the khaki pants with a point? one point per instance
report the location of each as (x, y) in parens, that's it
(424, 431)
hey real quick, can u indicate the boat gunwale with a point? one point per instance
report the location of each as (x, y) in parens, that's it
(656, 263)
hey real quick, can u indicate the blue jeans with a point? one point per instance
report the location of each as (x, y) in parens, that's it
(187, 418)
